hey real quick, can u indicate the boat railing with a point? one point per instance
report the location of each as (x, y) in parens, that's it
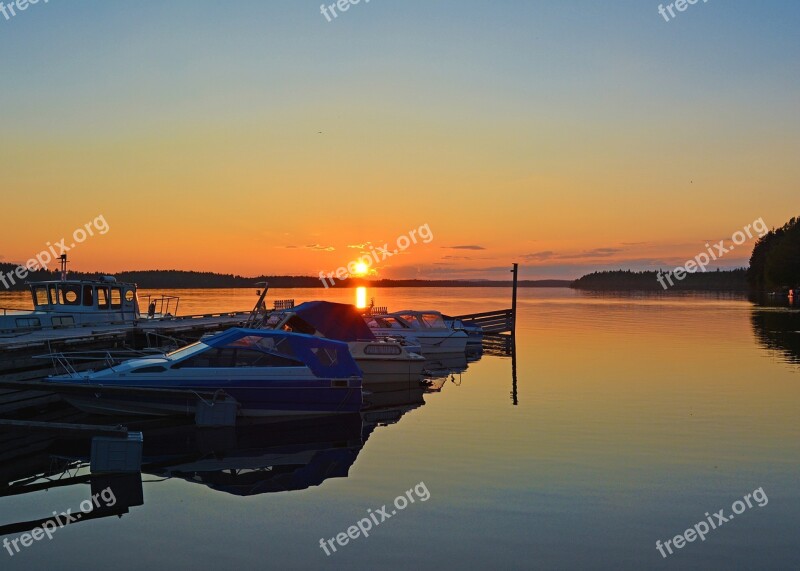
(283, 304)
(161, 305)
(376, 310)
(199, 316)
(72, 361)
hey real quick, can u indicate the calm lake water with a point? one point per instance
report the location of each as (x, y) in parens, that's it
(634, 416)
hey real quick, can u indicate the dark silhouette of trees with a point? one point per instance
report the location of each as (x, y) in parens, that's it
(775, 262)
(627, 280)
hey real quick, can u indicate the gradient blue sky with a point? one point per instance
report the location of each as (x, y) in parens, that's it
(567, 136)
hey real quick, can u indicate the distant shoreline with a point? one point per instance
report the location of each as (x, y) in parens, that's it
(175, 279)
(625, 280)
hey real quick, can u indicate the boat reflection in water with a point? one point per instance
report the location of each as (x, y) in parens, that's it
(255, 457)
(276, 457)
(246, 460)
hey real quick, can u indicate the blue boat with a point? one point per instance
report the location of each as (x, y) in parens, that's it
(269, 373)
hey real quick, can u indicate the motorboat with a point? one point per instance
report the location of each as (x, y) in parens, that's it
(426, 327)
(384, 361)
(268, 373)
(475, 332)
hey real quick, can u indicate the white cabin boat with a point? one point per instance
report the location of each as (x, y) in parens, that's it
(384, 362)
(74, 303)
(427, 328)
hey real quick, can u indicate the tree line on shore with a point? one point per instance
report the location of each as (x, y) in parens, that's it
(775, 262)
(774, 266)
(620, 280)
(181, 279)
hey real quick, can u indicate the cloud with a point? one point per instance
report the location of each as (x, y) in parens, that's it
(595, 253)
(359, 246)
(468, 247)
(539, 256)
(319, 248)
(550, 255)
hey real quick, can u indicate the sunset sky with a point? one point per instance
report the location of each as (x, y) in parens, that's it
(255, 137)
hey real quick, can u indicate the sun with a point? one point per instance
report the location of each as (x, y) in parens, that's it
(361, 268)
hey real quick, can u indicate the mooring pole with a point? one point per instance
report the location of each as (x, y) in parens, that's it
(514, 394)
(514, 271)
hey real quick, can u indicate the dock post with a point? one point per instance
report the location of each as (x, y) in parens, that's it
(514, 271)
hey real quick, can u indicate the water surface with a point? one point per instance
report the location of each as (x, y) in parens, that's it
(634, 416)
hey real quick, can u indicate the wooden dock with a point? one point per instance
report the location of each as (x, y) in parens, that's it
(17, 351)
(499, 322)
(492, 322)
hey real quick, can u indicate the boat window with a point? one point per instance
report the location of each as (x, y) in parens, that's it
(252, 358)
(297, 325)
(70, 294)
(229, 357)
(116, 298)
(382, 349)
(88, 296)
(213, 358)
(62, 321)
(433, 320)
(385, 323)
(40, 295)
(411, 319)
(102, 297)
(53, 294)
(28, 322)
(129, 295)
(327, 357)
(280, 345)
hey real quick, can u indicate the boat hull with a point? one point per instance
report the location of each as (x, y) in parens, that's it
(388, 374)
(258, 402)
(430, 342)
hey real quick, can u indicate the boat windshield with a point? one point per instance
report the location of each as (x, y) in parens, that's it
(433, 320)
(274, 346)
(385, 323)
(39, 295)
(186, 351)
(413, 320)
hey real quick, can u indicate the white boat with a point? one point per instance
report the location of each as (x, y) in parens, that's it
(428, 328)
(475, 332)
(67, 303)
(384, 362)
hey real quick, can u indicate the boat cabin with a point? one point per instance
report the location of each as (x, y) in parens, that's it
(74, 296)
(73, 303)
(422, 319)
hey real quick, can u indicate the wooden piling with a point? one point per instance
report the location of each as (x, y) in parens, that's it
(515, 272)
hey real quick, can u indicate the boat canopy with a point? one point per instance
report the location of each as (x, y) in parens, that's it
(421, 318)
(326, 358)
(340, 321)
